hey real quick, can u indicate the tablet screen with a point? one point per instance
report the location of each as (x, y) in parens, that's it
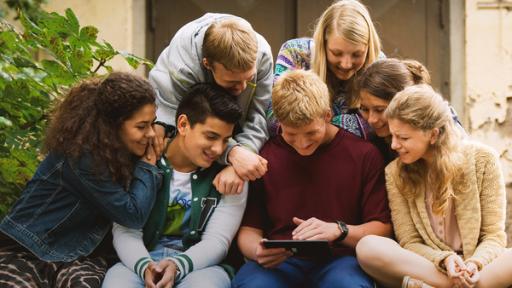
(302, 248)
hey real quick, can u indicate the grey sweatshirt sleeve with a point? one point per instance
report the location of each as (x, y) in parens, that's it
(130, 249)
(254, 127)
(255, 132)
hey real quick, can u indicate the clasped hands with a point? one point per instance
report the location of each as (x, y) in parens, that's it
(463, 274)
(160, 274)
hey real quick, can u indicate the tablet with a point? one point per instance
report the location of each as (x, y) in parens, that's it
(302, 248)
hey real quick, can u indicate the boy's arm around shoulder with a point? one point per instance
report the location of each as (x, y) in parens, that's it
(255, 133)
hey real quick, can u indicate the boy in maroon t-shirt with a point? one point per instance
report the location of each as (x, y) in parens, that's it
(323, 184)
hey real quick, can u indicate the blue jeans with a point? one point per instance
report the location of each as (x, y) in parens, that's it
(295, 272)
(121, 276)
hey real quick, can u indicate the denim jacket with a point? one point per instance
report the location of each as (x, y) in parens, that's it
(68, 207)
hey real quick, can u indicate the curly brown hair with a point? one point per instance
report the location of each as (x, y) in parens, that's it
(89, 118)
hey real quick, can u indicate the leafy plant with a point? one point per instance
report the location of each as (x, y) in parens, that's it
(52, 54)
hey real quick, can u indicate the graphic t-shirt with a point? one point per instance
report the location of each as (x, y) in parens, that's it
(177, 220)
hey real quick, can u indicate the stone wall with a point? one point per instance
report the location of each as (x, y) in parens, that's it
(488, 101)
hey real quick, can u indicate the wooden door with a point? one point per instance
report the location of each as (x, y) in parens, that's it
(274, 20)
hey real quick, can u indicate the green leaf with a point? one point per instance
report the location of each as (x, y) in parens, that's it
(57, 25)
(81, 61)
(28, 24)
(54, 68)
(21, 61)
(73, 21)
(88, 34)
(134, 61)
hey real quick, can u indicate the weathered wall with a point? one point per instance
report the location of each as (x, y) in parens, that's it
(489, 83)
(122, 23)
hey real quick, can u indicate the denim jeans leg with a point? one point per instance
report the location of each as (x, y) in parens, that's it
(159, 253)
(343, 272)
(209, 277)
(290, 273)
(120, 276)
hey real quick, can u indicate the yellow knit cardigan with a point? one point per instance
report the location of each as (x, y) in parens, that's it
(480, 207)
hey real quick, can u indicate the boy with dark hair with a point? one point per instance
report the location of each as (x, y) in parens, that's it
(191, 225)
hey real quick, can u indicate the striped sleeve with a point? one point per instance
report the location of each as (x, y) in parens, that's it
(130, 249)
(140, 266)
(184, 264)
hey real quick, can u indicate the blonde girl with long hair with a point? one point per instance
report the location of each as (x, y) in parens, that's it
(447, 200)
(344, 41)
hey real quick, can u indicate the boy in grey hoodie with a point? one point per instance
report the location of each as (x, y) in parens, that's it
(221, 49)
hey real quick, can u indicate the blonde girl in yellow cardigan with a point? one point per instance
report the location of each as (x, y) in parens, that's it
(447, 199)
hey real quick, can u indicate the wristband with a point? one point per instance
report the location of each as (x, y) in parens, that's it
(344, 231)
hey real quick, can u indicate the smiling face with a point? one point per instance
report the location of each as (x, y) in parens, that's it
(307, 138)
(233, 81)
(411, 143)
(137, 131)
(372, 109)
(203, 143)
(344, 58)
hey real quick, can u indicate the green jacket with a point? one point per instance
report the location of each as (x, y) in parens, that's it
(204, 200)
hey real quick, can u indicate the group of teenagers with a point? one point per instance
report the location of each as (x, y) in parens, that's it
(149, 183)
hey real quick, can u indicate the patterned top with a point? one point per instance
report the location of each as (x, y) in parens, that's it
(296, 54)
(177, 222)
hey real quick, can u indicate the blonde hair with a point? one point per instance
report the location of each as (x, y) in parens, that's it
(299, 97)
(232, 43)
(422, 108)
(350, 20)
